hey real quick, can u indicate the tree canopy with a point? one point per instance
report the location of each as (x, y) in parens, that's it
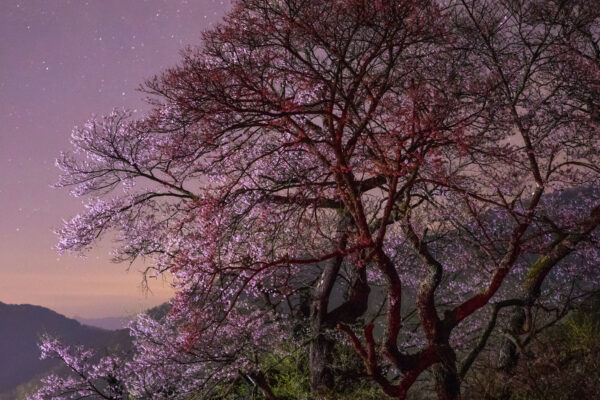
(391, 174)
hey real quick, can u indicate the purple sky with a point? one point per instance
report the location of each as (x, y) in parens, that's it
(60, 62)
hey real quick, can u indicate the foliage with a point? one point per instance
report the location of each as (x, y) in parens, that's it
(565, 363)
(288, 370)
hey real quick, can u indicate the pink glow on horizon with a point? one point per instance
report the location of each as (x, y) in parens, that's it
(61, 62)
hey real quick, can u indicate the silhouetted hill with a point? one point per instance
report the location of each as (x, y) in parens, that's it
(109, 323)
(21, 327)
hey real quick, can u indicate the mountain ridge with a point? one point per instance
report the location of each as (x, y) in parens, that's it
(108, 323)
(21, 328)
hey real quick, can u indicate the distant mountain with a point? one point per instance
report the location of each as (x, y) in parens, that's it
(21, 327)
(109, 323)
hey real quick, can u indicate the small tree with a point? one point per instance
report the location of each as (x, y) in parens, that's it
(312, 155)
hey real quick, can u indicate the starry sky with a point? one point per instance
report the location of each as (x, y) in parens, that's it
(62, 61)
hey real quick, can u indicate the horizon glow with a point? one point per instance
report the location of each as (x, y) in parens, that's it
(61, 62)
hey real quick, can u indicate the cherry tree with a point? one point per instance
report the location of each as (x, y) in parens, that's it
(350, 161)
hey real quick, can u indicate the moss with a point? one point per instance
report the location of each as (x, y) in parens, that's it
(537, 268)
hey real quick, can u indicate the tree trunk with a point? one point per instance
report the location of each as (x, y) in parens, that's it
(509, 352)
(320, 356)
(509, 356)
(320, 359)
(447, 382)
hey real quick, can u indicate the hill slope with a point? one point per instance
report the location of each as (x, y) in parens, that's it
(21, 327)
(109, 323)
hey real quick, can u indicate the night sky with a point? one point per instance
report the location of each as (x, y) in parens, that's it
(61, 62)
